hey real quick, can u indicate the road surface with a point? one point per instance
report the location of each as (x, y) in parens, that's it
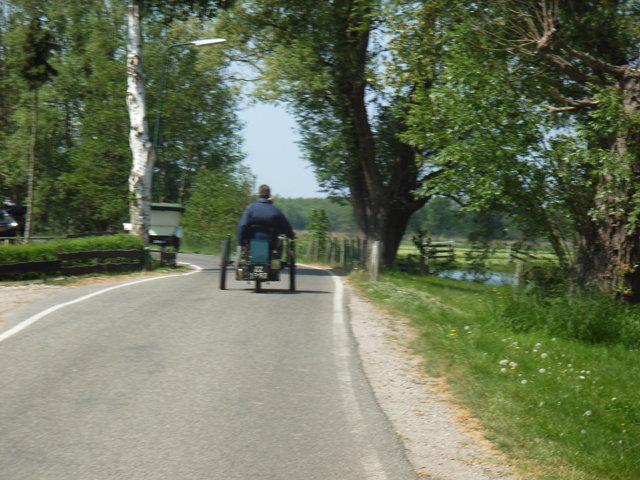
(171, 378)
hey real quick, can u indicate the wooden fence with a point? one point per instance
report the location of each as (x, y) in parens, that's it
(356, 252)
(441, 250)
(342, 251)
(76, 263)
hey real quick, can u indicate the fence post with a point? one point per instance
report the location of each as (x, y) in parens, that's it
(374, 265)
(309, 249)
(517, 279)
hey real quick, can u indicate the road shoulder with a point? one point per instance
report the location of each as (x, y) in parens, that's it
(442, 440)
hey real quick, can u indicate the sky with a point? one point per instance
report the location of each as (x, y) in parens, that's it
(272, 153)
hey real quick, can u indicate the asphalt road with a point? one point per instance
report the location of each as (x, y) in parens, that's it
(174, 379)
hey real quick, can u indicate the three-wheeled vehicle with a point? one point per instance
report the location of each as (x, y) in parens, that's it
(260, 261)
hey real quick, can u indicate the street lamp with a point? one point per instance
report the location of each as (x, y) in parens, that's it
(198, 43)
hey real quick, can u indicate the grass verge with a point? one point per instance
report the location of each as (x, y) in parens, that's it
(562, 408)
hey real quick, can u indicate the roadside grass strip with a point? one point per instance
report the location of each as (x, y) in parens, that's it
(559, 407)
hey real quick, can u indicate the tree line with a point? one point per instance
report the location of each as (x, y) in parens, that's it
(66, 151)
(529, 108)
(439, 218)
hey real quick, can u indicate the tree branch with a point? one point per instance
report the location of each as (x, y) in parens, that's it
(595, 63)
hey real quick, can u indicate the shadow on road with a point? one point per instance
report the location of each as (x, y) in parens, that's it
(279, 287)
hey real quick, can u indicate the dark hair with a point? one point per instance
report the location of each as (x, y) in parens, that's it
(264, 191)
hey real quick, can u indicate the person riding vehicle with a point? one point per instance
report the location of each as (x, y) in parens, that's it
(263, 251)
(263, 220)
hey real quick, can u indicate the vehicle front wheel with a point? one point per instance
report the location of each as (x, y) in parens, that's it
(224, 260)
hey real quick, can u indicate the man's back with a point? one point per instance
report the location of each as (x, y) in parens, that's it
(262, 219)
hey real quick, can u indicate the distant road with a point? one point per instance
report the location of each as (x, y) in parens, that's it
(174, 379)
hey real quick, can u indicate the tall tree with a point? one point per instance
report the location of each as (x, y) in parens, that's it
(139, 138)
(541, 102)
(35, 70)
(323, 58)
(593, 45)
(480, 117)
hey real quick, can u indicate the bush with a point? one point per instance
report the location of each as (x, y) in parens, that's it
(589, 318)
(36, 252)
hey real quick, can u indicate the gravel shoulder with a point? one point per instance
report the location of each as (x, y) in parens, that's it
(14, 296)
(442, 440)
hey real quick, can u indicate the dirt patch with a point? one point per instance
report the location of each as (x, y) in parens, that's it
(13, 296)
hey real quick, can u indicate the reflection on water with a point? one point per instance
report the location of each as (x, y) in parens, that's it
(488, 278)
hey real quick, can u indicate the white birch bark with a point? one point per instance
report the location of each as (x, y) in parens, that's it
(140, 176)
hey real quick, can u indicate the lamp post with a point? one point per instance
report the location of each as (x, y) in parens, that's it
(198, 43)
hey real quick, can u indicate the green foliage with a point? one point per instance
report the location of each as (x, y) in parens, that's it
(14, 253)
(491, 115)
(591, 319)
(216, 204)
(421, 241)
(298, 211)
(33, 65)
(319, 227)
(170, 10)
(444, 218)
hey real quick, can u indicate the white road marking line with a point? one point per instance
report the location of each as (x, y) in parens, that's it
(38, 316)
(342, 353)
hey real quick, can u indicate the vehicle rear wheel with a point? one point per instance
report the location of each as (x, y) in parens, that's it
(224, 260)
(258, 285)
(292, 278)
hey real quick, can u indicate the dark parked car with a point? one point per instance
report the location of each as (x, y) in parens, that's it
(8, 225)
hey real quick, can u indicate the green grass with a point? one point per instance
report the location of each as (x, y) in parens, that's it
(561, 407)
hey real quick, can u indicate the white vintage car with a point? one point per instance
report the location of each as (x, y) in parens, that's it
(164, 228)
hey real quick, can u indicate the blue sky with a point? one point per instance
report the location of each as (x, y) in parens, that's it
(272, 153)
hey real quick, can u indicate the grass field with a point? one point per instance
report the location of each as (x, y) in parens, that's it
(561, 407)
(498, 258)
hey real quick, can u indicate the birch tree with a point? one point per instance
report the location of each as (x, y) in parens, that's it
(139, 140)
(143, 154)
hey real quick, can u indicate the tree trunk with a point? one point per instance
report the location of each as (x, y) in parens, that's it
(141, 147)
(32, 167)
(382, 204)
(607, 258)
(607, 254)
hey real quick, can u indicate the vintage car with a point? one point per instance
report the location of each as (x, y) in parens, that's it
(164, 228)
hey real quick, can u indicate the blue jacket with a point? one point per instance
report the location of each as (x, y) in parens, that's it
(263, 213)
